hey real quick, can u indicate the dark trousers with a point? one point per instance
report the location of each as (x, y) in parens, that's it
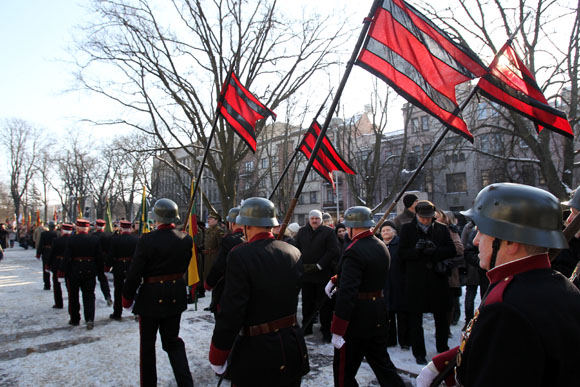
(470, 293)
(347, 362)
(118, 281)
(398, 328)
(418, 336)
(56, 290)
(313, 297)
(45, 273)
(87, 287)
(104, 283)
(168, 328)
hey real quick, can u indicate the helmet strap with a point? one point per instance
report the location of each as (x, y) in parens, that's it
(494, 250)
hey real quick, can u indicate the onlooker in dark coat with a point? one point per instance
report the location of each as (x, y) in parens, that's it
(424, 244)
(395, 290)
(343, 238)
(319, 247)
(475, 274)
(410, 201)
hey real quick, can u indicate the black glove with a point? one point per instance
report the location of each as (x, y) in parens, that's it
(310, 268)
(420, 245)
(430, 248)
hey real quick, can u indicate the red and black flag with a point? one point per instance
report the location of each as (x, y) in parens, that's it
(241, 110)
(510, 83)
(419, 60)
(327, 158)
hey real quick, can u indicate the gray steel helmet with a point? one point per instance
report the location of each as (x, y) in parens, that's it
(51, 225)
(358, 217)
(574, 201)
(257, 212)
(165, 211)
(519, 213)
(232, 214)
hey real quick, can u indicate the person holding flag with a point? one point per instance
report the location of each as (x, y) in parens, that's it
(155, 285)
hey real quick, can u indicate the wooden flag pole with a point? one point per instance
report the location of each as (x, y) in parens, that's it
(213, 127)
(350, 64)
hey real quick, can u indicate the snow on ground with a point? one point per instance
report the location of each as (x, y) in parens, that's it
(38, 347)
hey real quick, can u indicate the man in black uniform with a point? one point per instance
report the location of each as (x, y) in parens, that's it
(122, 250)
(360, 317)
(257, 314)
(526, 331)
(215, 279)
(157, 269)
(43, 250)
(319, 247)
(105, 242)
(82, 260)
(55, 262)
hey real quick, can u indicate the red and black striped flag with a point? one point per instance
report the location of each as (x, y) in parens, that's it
(241, 110)
(327, 158)
(419, 60)
(510, 83)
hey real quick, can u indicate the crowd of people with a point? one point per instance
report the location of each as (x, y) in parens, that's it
(366, 288)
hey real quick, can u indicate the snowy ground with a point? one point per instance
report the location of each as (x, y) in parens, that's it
(38, 347)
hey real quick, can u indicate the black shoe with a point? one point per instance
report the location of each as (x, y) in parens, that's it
(421, 360)
(90, 325)
(308, 331)
(115, 317)
(73, 323)
(57, 306)
(405, 347)
(109, 302)
(45, 288)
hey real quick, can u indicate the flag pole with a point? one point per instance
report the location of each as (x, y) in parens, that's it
(296, 151)
(366, 25)
(419, 168)
(213, 128)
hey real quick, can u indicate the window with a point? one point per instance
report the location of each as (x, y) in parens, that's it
(528, 175)
(428, 182)
(249, 166)
(491, 143)
(414, 125)
(425, 123)
(417, 149)
(426, 148)
(456, 182)
(264, 163)
(330, 195)
(485, 177)
(313, 197)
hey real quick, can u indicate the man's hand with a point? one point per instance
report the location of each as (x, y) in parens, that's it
(430, 248)
(330, 289)
(427, 375)
(337, 341)
(219, 369)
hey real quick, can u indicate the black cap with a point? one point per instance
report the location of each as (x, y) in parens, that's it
(409, 199)
(425, 209)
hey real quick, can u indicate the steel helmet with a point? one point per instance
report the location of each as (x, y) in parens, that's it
(358, 217)
(519, 213)
(257, 212)
(165, 211)
(574, 201)
(232, 214)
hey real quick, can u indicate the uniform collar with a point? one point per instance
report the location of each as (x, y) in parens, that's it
(359, 236)
(169, 226)
(82, 232)
(262, 235)
(238, 230)
(531, 262)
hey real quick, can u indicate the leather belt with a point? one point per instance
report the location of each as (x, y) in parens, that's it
(370, 295)
(47, 246)
(124, 259)
(83, 259)
(59, 257)
(271, 326)
(209, 251)
(162, 278)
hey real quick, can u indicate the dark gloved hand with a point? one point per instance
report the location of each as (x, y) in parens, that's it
(430, 248)
(420, 245)
(310, 268)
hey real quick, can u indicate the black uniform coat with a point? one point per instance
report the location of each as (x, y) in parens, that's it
(363, 269)
(318, 246)
(215, 278)
(396, 283)
(566, 261)
(82, 245)
(161, 252)
(104, 238)
(527, 332)
(262, 285)
(122, 246)
(45, 244)
(427, 291)
(56, 258)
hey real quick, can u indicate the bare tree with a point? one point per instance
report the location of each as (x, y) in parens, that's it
(554, 65)
(167, 68)
(21, 142)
